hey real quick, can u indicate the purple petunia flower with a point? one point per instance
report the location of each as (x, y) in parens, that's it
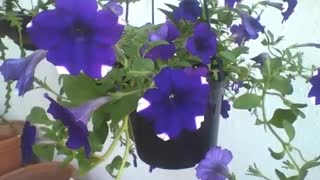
(178, 103)
(214, 166)
(77, 36)
(225, 107)
(261, 58)
(167, 32)
(287, 7)
(249, 28)
(28, 138)
(203, 42)
(22, 70)
(231, 3)
(189, 10)
(76, 119)
(115, 7)
(315, 90)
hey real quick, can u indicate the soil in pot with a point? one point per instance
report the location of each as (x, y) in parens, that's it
(42, 171)
(186, 150)
(10, 152)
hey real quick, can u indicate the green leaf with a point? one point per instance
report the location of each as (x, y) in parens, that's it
(281, 115)
(240, 50)
(310, 164)
(280, 175)
(85, 164)
(281, 84)
(140, 67)
(38, 116)
(45, 151)
(289, 129)
(225, 17)
(227, 55)
(247, 101)
(117, 161)
(271, 68)
(100, 125)
(275, 155)
(81, 88)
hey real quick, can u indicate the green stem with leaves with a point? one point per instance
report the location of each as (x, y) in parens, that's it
(126, 154)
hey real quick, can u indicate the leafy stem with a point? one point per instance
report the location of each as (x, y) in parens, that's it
(45, 86)
(114, 143)
(126, 154)
(284, 144)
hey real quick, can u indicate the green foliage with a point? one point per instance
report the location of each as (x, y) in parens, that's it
(276, 155)
(39, 116)
(44, 151)
(280, 115)
(247, 101)
(7, 104)
(115, 165)
(281, 84)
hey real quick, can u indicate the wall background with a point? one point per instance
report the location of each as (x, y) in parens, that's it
(248, 143)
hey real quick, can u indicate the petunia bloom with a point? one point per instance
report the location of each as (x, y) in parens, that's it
(22, 70)
(203, 42)
(231, 3)
(214, 165)
(167, 32)
(235, 86)
(314, 92)
(287, 7)
(178, 103)
(225, 107)
(28, 138)
(77, 36)
(261, 58)
(189, 10)
(115, 7)
(76, 119)
(249, 29)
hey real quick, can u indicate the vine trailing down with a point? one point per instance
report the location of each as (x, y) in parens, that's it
(111, 72)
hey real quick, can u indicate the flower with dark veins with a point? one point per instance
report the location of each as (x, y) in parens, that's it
(115, 7)
(77, 36)
(76, 119)
(231, 3)
(214, 165)
(225, 107)
(28, 139)
(22, 70)
(178, 103)
(203, 42)
(189, 10)
(167, 32)
(314, 92)
(261, 58)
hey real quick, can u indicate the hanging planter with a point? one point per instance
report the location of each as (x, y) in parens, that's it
(13, 33)
(188, 148)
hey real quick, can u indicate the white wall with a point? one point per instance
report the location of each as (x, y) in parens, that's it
(248, 143)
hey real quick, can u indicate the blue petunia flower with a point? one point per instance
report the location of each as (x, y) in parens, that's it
(214, 165)
(76, 119)
(261, 58)
(178, 103)
(287, 7)
(28, 139)
(314, 92)
(115, 7)
(225, 107)
(189, 10)
(77, 36)
(167, 32)
(231, 3)
(249, 28)
(22, 70)
(203, 43)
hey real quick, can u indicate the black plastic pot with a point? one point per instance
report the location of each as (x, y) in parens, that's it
(186, 150)
(13, 33)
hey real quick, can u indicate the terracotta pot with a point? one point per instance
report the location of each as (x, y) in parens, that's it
(10, 152)
(188, 148)
(42, 171)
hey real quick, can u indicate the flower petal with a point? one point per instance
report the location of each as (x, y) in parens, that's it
(28, 138)
(84, 9)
